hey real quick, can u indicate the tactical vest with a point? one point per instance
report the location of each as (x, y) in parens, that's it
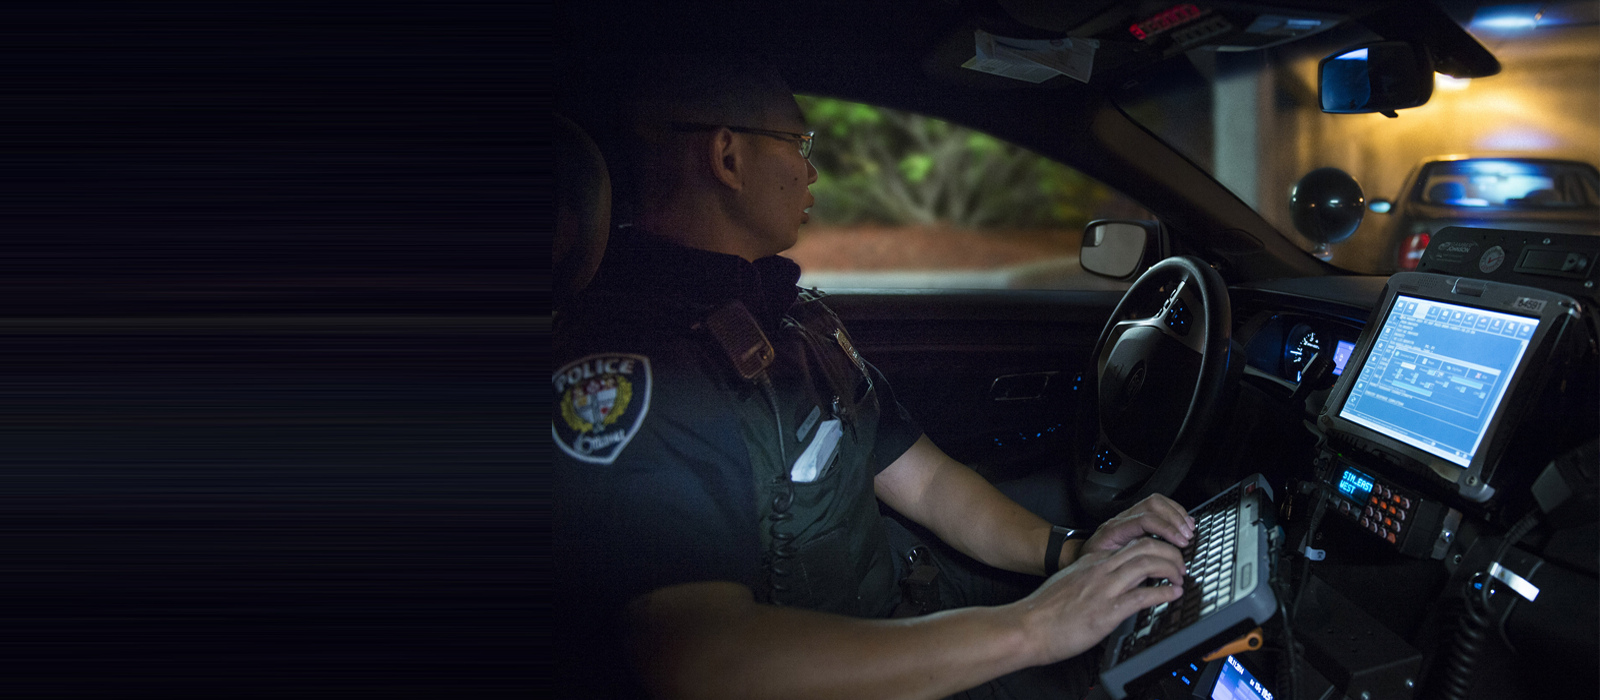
(824, 543)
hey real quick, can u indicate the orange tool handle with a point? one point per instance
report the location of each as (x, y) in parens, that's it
(1250, 641)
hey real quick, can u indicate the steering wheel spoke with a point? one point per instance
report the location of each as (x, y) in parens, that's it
(1115, 470)
(1178, 317)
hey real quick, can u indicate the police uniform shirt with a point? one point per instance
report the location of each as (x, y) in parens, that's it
(667, 461)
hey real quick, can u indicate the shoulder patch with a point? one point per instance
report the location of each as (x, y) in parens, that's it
(601, 401)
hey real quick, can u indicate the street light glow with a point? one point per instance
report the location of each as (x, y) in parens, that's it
(1505, 23)
(1525, 16)
(1518, 138)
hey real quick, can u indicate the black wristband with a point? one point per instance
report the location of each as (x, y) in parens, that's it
(1052, 551)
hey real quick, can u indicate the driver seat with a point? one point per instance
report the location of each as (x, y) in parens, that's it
(583, 213)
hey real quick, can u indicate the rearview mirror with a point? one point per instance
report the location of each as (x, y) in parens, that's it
(1117, 248)
(1380, 77)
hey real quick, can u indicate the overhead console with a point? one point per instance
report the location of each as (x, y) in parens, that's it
(1421, 418)
(1130, 35)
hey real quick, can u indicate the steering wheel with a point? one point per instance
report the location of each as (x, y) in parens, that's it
(1161, 373)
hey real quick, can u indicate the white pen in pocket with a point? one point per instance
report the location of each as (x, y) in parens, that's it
(819, 454)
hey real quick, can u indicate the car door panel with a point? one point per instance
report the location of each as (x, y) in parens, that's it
(993, 377)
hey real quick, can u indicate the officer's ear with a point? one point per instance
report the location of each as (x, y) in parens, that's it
(725, 157)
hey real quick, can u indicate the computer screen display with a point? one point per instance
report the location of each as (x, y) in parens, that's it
(1436, 373)
(1235, 683)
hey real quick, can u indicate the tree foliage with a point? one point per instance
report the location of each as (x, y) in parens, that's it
(883, 166)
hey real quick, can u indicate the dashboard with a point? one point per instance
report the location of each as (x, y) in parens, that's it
(1285, 330)
(1429, 398)
(1283, 327)
(1461, 420)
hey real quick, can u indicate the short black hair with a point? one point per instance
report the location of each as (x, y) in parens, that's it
(633, 100)
(708, 88)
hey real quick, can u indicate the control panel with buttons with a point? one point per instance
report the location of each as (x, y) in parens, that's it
(1378, 507)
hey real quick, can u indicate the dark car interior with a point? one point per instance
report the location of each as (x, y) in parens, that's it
(1401, 571)
(267, 319)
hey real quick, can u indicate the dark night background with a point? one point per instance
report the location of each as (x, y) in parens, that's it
(270, 314)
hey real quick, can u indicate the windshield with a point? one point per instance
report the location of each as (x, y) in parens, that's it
(1515, 150)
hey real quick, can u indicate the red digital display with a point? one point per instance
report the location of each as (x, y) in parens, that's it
(1164, 20)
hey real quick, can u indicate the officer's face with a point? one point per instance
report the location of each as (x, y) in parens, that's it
(781, 179)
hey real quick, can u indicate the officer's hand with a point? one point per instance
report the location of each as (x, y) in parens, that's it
(1156, 515)
(1081, 604)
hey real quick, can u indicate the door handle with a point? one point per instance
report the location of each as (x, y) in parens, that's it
(1020, 387)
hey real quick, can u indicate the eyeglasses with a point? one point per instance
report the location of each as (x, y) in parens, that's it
(802, 140)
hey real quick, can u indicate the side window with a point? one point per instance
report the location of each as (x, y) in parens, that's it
(907, 201)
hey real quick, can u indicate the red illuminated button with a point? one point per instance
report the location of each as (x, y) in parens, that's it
(1391, 538)
(1388, 523)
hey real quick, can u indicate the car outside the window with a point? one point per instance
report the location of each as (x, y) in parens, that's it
(1508, 192)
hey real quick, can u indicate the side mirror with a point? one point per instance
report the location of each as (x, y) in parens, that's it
(1119, 248)
(1380, 77)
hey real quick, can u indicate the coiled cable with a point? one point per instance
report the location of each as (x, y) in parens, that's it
(1288, 665)
(782, 548)
(1287, 658)
(1472, 629)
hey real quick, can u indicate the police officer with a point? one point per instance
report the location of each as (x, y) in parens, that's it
(723, 447)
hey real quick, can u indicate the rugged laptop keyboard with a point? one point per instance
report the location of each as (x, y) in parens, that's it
(1225, 591)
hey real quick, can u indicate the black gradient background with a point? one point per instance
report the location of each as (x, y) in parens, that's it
(270, 314)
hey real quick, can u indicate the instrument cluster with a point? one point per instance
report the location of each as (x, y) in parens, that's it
(1304, 340)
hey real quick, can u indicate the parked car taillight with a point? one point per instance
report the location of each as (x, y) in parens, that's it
(1411, 250)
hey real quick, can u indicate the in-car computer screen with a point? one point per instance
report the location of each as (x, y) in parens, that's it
(1436, 373)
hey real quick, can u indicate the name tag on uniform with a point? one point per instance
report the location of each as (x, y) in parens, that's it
(819, 454)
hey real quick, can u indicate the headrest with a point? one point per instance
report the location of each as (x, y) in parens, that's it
(583, 211)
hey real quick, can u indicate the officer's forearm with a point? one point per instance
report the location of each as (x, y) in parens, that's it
(966, 511)
(712, 640)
